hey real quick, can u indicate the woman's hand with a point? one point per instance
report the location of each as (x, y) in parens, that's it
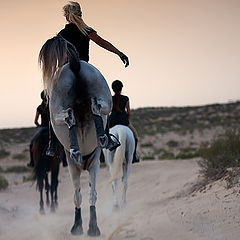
(124, 58)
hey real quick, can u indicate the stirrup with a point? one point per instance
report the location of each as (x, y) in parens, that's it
(50, 152)
(115, 144)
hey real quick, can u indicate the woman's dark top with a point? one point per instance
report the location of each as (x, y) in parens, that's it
(80, 41)
(119, 114)
(43, 110)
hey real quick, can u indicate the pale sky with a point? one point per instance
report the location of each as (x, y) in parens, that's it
(182, 52)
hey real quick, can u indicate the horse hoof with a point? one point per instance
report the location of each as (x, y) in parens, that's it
(41, 211)
(53, 209)
(77, 230)
(116, 207)
(94, 231)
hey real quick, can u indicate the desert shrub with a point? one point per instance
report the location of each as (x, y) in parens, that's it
(172, 143)
(3, 183)
(148, 144)
(148, 157)
(166, 155)
(27, 178)
(222, 153)
(187, 153)
(17, 169)
(4, 153)
(19, 156)
(158, 151)
(232, 176)
(163, 154)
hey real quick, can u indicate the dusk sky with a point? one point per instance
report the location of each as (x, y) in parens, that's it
(182, 52)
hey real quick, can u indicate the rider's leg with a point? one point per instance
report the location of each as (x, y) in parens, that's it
(52, 142)
(31, 163)
(135, 157)
(104, 139)
(74, 147)
(34, 137)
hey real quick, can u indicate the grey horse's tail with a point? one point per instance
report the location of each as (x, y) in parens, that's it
(53, 55)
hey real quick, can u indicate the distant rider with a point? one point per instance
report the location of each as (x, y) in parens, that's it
(121, 112)
(43, 112)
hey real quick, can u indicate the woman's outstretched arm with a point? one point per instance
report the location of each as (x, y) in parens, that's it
(108, 46)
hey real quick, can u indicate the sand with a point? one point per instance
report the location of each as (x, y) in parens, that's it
(159, 207)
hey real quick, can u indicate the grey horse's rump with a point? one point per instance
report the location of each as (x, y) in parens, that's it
(64, 96)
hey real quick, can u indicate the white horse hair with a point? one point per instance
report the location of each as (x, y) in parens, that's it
(76, 90)
(121, 158)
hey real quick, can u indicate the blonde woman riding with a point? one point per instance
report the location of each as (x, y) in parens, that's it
(79, 35)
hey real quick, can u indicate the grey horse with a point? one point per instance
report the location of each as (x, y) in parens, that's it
(77, 92)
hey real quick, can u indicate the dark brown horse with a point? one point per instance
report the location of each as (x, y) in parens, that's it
(44, 164)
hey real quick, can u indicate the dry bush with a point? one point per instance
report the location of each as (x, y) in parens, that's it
(4, 153)
(222, 153)
(3, 183)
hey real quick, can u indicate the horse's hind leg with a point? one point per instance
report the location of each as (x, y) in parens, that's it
(115, 193)
(93, 227)
(75, 177)
(126, 172)
(41, 203)
(47, 186)
(54, 185)
(115, 182)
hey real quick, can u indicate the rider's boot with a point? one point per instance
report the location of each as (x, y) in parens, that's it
(74, 147)
(31, 163)
(52, 142)
(111, 144)
(103, 137)
(135, 157)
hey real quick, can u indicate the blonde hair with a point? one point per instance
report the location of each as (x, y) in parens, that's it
(73, 13)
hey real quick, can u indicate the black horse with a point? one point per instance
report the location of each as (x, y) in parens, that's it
(44, 164)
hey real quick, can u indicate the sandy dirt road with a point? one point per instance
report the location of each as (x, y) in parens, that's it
(157, 208)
